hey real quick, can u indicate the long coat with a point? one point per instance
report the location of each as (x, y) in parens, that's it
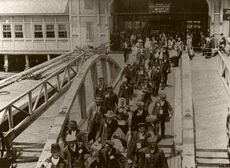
(107, 129)
(75, 159)
(166, 108)
(138, 119)
(113, 160)
(153, 160)
(48, 162)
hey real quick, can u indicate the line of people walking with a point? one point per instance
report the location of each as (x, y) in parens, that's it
(122, 130)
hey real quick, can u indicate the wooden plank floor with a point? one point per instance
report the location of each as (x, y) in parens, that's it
(210, 100)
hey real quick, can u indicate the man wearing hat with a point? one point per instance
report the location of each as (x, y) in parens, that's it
(108, 126)
(129, 72)
(73, 130)
(165, 68)
(137, 142)
(101, 88)
(55, 160)
(75, 153)
(141, 52)
(162, 109)
(111, 99)
(141, 75)
(110, 157)
(126, 91)
(152, 156)
(138, 116)
(155, 78)
(95, 116)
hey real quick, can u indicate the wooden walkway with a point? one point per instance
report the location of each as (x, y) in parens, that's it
(210, 101)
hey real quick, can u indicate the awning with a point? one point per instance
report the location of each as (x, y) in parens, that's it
(33, 7)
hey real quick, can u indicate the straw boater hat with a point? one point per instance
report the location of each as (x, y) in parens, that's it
(98, 99)
(109, 114)
(140, 103)
(139, 125)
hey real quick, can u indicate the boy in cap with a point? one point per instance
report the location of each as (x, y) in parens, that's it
(162, 109)
(110, 157)
(55, 160)
(152, 156)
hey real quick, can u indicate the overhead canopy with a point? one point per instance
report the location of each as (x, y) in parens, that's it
(33, 6)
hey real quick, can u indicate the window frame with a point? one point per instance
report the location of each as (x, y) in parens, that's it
(38, 31)
(89, 31)
(7, 31)
(64, 31)
(50, 31)
(18, 31)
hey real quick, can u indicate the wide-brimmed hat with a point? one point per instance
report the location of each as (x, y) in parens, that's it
(109, 142)
(101, 77)
(109, 88)
(140, 103)
(151, 140)
(139, 125)
(162, 95)
(55, 148)
(110, 114)
(98, 99)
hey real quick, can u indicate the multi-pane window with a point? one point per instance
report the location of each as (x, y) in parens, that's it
(89, 31)
(50, 31)
(18, 31)
(6, 31)
(62, 31)
(38, 31)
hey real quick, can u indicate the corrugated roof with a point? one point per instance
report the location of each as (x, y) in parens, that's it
(33, 6)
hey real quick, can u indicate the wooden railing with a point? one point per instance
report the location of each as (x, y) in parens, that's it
(111, 72)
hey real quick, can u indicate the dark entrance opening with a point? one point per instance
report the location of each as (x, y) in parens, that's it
(147, 17)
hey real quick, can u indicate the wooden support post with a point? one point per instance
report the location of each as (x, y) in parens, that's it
(94, 77)
(30, 102)
(112, 71)
(48, 57)
(6, 63)
(27, 62)
(10, 118)
(109, 73)
(104, 70)
(82, 101)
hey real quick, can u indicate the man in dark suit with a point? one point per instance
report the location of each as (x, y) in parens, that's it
(155, 79)
(139, 116)
(101, 88)
(152, 156)
(110, 157)
(111, 99)
(162, 109)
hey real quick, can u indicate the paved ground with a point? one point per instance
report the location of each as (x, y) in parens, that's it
(210, 104)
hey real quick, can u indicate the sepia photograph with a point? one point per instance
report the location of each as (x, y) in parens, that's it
(114, 83)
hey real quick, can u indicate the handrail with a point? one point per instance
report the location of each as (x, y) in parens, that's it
(58, 130)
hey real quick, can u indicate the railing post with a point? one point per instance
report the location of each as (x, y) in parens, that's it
(104, 70)
(45, 91)
(109, 77)
(94, 77)
(10, 118)
(82, 101)
(30, 102)
(58, 82)
(112, 71)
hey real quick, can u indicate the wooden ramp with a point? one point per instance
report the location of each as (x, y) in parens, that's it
(210, 100)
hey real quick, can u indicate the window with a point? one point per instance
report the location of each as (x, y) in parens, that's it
(18, 31)
(50, 31)
(6, 31)
(217, 6)
(38, 31)
(62, 31)
(89, 31)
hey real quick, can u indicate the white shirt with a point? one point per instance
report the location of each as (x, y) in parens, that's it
(55, 161)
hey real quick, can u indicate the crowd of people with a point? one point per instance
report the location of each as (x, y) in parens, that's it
(123, 131)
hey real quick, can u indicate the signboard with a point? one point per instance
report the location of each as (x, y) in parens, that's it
(159, 7)
(226, 14)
